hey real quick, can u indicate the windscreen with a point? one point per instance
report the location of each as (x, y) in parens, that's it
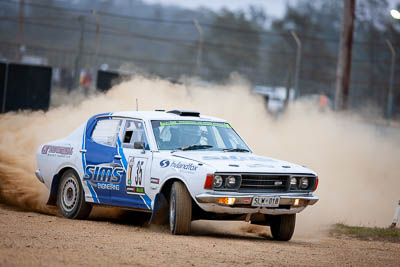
(196, 135)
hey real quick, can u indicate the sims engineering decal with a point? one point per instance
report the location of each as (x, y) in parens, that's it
(104, 177)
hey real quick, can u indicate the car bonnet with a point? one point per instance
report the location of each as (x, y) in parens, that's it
(241, 162)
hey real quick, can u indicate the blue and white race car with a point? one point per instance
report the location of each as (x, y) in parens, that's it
(177, 165)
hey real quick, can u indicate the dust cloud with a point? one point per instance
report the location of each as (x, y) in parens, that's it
(357, 163)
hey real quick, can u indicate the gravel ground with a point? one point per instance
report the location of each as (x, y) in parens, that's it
(33, 239)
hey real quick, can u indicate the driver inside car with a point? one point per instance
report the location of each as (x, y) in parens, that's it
(187, 135)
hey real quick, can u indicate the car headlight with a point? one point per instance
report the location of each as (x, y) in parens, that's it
(230, 181)
(293, 183)
(304, 183)
(218, 181)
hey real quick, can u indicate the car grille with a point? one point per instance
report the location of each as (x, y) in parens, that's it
(264, 183)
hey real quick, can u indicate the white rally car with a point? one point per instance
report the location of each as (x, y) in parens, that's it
(177, 165)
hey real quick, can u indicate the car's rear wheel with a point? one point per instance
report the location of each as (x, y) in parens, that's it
(180, 209)
(282, 226)
(71, 197)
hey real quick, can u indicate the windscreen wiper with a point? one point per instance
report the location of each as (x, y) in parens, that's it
(236, 150)
(195, 147)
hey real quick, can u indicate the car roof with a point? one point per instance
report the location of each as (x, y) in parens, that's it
(162, 115)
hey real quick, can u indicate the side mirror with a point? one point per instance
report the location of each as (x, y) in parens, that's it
(139, 145)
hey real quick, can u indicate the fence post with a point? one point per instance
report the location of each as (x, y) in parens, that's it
(3, 106)
(79, 57)
(20, 29)
(390, 91)
(343, 69)
(298, 63)
(200, 47)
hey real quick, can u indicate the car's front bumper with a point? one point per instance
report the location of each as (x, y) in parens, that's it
(210, 202)
(39, 176)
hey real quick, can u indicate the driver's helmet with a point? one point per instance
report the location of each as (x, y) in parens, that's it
(190, 134)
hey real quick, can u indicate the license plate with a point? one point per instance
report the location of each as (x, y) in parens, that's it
(265, 201)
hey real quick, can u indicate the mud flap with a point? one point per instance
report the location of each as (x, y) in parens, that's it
(160, 211)
(53, 191)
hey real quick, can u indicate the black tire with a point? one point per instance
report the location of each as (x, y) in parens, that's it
(180, 209)
(71, 197)
(282, 226)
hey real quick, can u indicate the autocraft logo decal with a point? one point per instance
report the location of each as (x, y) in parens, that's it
(57, 150)
(164, 163)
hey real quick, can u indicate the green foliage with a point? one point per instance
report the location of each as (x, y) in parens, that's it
(234, 50)
(367, 233)
(315, 24)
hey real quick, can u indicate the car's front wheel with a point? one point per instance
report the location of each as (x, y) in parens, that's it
(180, 209)
(71, 197)
(282, 226)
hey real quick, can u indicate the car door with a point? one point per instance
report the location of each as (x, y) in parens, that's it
(136, 179)
(102, 161)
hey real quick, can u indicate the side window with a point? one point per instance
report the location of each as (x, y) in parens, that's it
(106, 132)
(134, 132)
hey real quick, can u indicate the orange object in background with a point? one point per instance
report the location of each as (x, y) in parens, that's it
(323, 101)
(85, 79)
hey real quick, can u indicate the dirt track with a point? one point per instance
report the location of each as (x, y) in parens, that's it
(32, 239)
